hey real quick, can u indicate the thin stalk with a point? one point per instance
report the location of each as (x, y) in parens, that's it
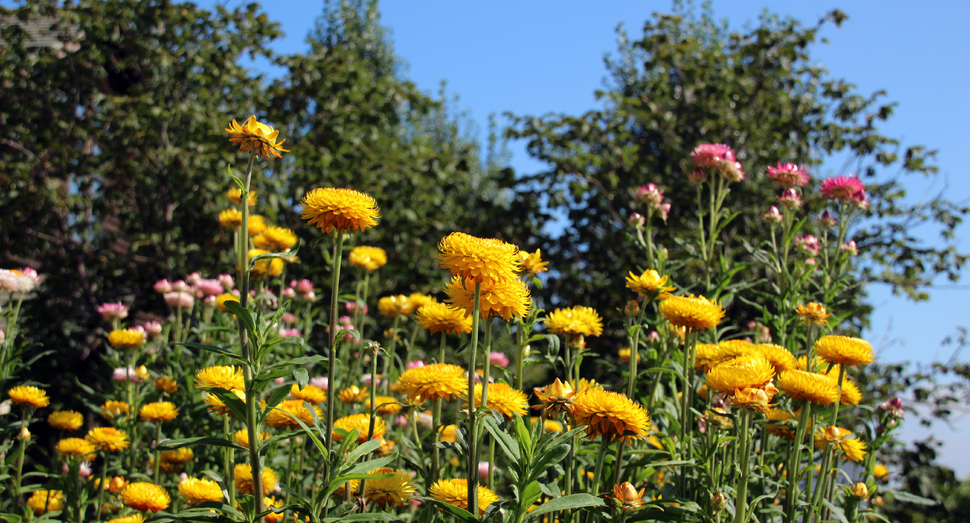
(362, 304)
(332, 368)
(104, 478)
(372, 414)
(740, 515)
(635, 353)
(21, 450)
(229, 461)
(158, 453)
(649, 236)
(491, 459)
(441, 348)
(598, 468)
(391, 351)
(435, 438)
(472, 466)
(519, 352)
(132, 420)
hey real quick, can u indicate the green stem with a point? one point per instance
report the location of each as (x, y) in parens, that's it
(635, 352)
(332, 368)
(101, 484)
(22, 449)
(441, 348)
(229, 460)
(158, 453)
(740, 515)
(372, 414)
(391, 352)
(472, 466)
(519, 352)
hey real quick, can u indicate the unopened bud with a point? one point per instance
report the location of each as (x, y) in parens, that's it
(861, 491)
(526, 351)
(718, 502)
(632, 309)
(877, 501)
(24, 434)
(636, 220)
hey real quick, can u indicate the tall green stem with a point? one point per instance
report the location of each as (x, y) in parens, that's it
(22, 449)
(740, 515)
(372, 413)
(229, 461)
(158, 453)
(338, 247)
(472, 465)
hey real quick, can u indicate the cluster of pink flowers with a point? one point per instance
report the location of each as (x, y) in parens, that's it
(346, 324)
(717, 157)
(809, 244)
(302, 290)
(651, 195)
(113, 311)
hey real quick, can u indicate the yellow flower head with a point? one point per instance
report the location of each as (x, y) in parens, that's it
(780, 426)
(44, 501)
(706, 356)
(265, 267)
(344, 209)
(220, 377)
(360, 422)
(729, 349)
(175, 460)
(352, 394)
(627, 497)
(113, 409)
(166, 384)
(575, 321)
(368, 258)
(780, 358)
(853, 449)
(813, 313)
(549, 425)
(843, 350)
(478, 260)
(439, 380)
(108, 439)
(818, 389)
(386, 405)
(235, 196)
(241, 437)
(131, 518)
(217, 406)
(556, 397)
(65, 420)
(281, 417)
(145, 497)
(649, 283)
(503, 399)
(532, 264)
(439, 317)
(124, 339)
(257, 224)
(506, 298)
(230, 218)
(273, 517)
(851, 395)
(256, 136)
(624, 354)
(610, 414)
(449, 433)
(223, 298)
(81, 448)
(395, 490)
(199, 490)
(310, 393)
(455, 492)
(158, 411)
(743, 372)
(276, 239)
(392, 306)
(697, 313)
(880, 473)
(244, 479)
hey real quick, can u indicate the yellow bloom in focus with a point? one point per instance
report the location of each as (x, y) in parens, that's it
(813, 313)
(113, 409)
(43, 501)
(241, 437)
(503, 399)
(706, 356)
(199, 490)
(392, 306)
(230, 218)
(145, 497)
(223, 298)
(506, 298)
(853, 449)
(282, 416)
(310, 393)
(256, 136)
(439, 380)
(455, 492)
(743, 372)
(532, 264)
(386, 405)
(575, 321)
(697, 313)
(440, 317)
(158, 412)
(244, 479)
(557, 397)
(220, 377)
(367, 258)
(780, 358)
(649, 283)
(276, 239)
(843, 350)
(131, 518)
(478, 260)
(257, 224)
(344, 209)
(609, 414)
(352, 394)
(265, 267)
(217, 406)
(124, 339)
(78, 447)
(818, 389)
(361, 422)
(65, 420)
(175, 460)
(166, 384)
(235, 196)
(395, 490)
(107, 439)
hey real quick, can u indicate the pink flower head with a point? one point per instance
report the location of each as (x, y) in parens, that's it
(711, 155)
(788, 175)
(2, 336)
(180, 286)
(732, 171)
(31, 274)
(85, 470)
(664, 210)
(179, 299)
(773, 215)
(284, 332)
(288, 293)
(310, 296)
(113, 311)
(636, 220)
(226, 281)
(193, 278)
(125, 374)
(497, 358)
(289, 318)
(697, 176)
(163, 286)
(366, 379)
(401, 421)
(321, 382)
(850, 247)
(790, 199)
(413, 364)
(208, 287)
(649, 193)
(153, 328)
(345, 321)
(351, 306)
(304, 286)
(844, 189)
(826, 220)
(653, 336)
(483, 469)
(279, 381)
(809, 244)
(141, 329)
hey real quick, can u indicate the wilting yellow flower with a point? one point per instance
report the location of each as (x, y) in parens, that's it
(131, 518)
(743, 372)
(256, 136)
(649, 283)
(167, 384)
(360, 422)
(853, 449)
(230, 218)
(557, 397)
(65, 420)
(81, 448)
(391, 306)
(43, 501)
(310, 393)
(265, 267)
(880, 473)
(697, 313)
(221, 377)
(780, 358)
(439, 380)
(282, 416)
(126, 339)
(455, 492)
(112, 409)
(108, 439)
(575, 321)
(395, 490)
(145, 497)
(241, 437)
(625, 355)
(367, 258)
(503, 399)
(352, 394)
(813, 313)
(174, 460)
(244, 479)
(344, 209)
(478, 260)
(235, 196)
(217, 406)
(257, 224)
(199, 490)
(532, 264)
(273, 517)
(386, 405)
(277, 239)
(440, 317)
(609, 413)
(843, 350)
(505, 298)
(627, 496)
(818, 389)
(223, 298)
(158, 411)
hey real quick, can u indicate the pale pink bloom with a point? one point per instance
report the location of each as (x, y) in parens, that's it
(209, 287)
(279, 381)
(653, 336)
(732, 171)
(12, 282)
(289, 318)
(415, 502)
(183, 476)
(844, 188)
(163, 287)
(366, 379)
(636, 220)
(810, 262)
(226, 281)
(124, 374)
(3, 336)
(209, 301)
(697, 176)
(113, 311)
(310, 296)
(850, 247)
(664, 210)
(321, 382)
(483, 469)
(809, 244)
(345, 321)
(790, 199)
(413, 364)
(27, 272)
(497, 358)
(141, 329)
(181, 286)
(193, 278)
(179, 299)
(352, 306)
(773, 215)
(85, 470)
(153, 328)
(649, 193)
(284, 333)
(5, 407)
(788, 175)
(288, 293)
(711, 155)
(304, 286)
(401, 421)
(826, 220)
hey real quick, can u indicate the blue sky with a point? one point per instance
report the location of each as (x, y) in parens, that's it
(539, 57)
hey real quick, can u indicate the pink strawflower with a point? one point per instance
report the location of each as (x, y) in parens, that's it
(653, 336)
(790, 199)
(181, 286)
(697, 176)
(153, 328)
(664, 209)
(401, 421)
(788, 175)
(163, 287)
(850, 247)
(179, 299)
(141, 329)
(810, 262)
(85, 470)
(497, 358)
(320, 382)
(366, 379)
(209, 301)
(2, 336)
(413, 364)
(125, 374)
(31, 274)
(289, 318)
(310, 296)
(732, 172)
(809, 244)
(289, 332)
(345, 321)
(193, 278)
(279, 381)
(711, 155)
(226, 281)
(649, 193)
(826, 220)
(209, 287)
(773, 215)
(304, 286)
(636, 220)
(483, 469)
(113, 311)
(844, 189)
(288, 293)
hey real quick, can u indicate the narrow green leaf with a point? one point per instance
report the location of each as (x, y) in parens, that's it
(570, 502)
(173, 444)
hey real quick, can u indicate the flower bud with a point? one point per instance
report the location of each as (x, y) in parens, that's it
(636, 220)
(632, 309)
(718, 502)
(773, 215)
(24, 434)
(790, 199)
(850, 247)
(697, 176)
(861, 491)
(826, 220)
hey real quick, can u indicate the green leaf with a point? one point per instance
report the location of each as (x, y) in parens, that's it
(234, 307)
(505, 441)
(218, 350)
(173, 444)
(570, 502)
(301, 376)
(459, 513)
(907, 497)
(276, 399)
(235, 405)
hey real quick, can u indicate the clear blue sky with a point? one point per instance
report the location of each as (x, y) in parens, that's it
(538, 57)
